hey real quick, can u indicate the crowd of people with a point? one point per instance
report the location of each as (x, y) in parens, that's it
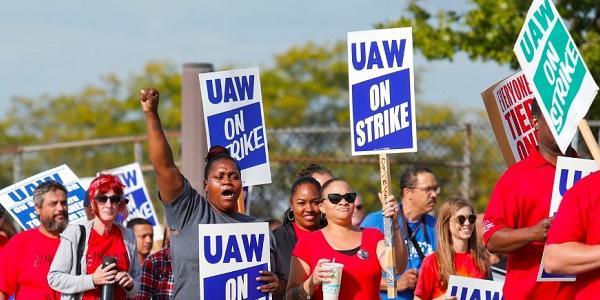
(325, 222)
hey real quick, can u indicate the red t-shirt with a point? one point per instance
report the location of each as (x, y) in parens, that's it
(521, 198)
(24, 265)
(110, 244)
(577, 220)
(360, 277)
(300, 233)
(429, 285)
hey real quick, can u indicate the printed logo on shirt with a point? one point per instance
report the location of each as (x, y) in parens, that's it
(487, 225)
(94, 258)
(42, 260)
(412, 252)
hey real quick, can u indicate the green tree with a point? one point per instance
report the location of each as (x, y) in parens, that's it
(306, 87)
(489, 28)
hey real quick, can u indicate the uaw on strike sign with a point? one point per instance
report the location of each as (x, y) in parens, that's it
(553, 65)
(17, 199)
(382, 102)
(140, 204)
(231, 257)
(233, 114)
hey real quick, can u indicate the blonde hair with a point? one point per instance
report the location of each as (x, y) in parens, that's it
(445, 252)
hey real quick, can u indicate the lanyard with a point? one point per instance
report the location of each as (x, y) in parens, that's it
(412, 234)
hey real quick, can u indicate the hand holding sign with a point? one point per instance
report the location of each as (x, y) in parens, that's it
(540, 230)
(390, 207)
(149, 99)
(272, 283)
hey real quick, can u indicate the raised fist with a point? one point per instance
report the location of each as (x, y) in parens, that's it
(149, 99)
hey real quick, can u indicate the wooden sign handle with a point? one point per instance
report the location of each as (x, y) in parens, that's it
(241, 206)
(590, 141)
(390, 266)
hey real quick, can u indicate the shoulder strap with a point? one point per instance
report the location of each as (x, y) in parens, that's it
(415, 243)
(80, 247)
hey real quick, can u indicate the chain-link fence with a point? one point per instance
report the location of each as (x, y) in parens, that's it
(465, 158)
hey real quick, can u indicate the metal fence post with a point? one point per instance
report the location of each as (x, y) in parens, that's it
(465, 185)
(138, 153)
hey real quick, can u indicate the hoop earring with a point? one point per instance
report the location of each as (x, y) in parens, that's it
(290, 215)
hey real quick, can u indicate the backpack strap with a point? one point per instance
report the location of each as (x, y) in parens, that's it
(80, 247)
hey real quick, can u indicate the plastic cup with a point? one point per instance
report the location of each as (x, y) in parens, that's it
(331, 290)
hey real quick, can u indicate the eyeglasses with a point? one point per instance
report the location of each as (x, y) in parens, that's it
(114, 199)
(429, 189)
(461, 219)
(335, 198)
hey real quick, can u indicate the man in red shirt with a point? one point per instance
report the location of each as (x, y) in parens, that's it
(574, 240)
(26, 258)
(516, 221)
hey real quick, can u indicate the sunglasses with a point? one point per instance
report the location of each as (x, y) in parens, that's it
(461, 219)
(335, 198)
(114, 199)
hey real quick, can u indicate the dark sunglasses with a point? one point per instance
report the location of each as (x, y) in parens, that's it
(114, 199)
(335, 198)
(461, 219)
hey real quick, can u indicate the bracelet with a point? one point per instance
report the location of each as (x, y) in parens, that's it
(302, 293)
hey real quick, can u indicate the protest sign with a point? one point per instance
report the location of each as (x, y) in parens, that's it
(472, 288)
(231, 256)
(17, 199)
(382, 108)
(140, 203)
(233, 114)
(381, 86)
(569, 170)
(508, 105)
(561, 81)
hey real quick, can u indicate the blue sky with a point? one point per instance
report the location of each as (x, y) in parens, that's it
(62, 46)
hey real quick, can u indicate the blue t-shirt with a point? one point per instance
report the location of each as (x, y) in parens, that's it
(427, 242)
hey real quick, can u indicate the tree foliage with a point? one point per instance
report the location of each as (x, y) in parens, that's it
(489, 28)
(306, 87)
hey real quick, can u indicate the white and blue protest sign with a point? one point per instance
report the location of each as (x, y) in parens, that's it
(562, 83)
(382, 96)
(140, 203)
(569, 171)
(231, 257)
(233, 114)
(466, 288)
(17, 199)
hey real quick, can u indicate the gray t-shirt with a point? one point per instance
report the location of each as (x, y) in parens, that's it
(183, 215)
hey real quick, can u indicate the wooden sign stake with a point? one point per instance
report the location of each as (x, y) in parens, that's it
(390, 267)
(590, 141)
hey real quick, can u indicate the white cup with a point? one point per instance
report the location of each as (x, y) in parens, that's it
(331, 290)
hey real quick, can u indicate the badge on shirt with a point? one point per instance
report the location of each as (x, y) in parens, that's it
(363, 254)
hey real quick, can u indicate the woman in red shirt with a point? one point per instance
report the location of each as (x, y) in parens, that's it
(103, 238)
(458, 253)
(359, 250)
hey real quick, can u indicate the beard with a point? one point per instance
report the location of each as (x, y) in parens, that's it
(51, 224)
